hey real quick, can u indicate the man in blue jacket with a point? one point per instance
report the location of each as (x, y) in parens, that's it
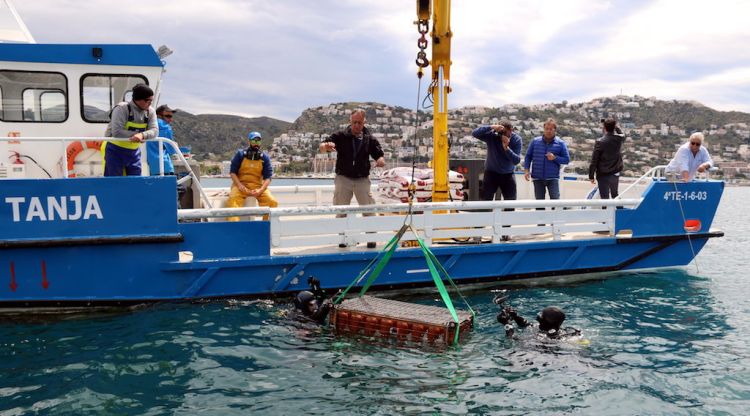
(164, 116)
(543, 159)
(503, 154)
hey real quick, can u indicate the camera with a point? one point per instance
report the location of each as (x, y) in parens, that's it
(500, 298)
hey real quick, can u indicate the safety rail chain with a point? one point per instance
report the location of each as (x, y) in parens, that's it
(325, 225)
(65, 141)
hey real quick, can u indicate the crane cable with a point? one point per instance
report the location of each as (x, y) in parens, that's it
(412, 188)
(423, 26)
(687, 233)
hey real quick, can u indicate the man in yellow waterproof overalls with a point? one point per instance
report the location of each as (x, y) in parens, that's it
(251, 173)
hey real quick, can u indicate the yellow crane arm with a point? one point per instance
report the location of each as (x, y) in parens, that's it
(440, 65)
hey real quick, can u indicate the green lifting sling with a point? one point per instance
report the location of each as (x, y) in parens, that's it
(436, 269)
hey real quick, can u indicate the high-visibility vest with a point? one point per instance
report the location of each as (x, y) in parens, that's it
(130, 125)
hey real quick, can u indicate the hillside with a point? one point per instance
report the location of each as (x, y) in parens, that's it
(328, 119)
(654, 128)
(217, 136)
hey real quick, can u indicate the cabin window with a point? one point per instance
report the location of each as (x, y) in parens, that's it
(101, 92)
(39, 97)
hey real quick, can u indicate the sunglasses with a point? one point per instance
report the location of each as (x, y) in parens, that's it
(168, 116)
(695, 143)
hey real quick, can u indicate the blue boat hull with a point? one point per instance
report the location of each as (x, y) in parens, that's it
(123, 247)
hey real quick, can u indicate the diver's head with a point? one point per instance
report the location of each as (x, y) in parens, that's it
(306, 302)
(550, 317)
(254, 138)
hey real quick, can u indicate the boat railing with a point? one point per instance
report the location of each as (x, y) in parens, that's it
(656, 172)
(66, 141)
(659, 172)
(287, 195)
(469, 221)
(181, 158)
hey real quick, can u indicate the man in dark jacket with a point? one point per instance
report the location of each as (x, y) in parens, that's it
(354, 147)
(503, 154)
(606, 161)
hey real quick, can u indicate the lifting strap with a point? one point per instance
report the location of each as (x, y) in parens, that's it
(436, 269)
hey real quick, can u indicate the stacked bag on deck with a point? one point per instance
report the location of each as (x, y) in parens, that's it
(394, 185)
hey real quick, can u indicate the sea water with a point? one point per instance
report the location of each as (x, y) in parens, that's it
(673, 342)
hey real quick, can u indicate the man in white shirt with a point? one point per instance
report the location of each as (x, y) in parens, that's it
(690, 158)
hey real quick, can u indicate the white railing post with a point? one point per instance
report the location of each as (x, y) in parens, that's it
(161, 158)
(428, 226)
(275, 229)
(64, 144)
(497, 224)
(556, 224)
(318, 197)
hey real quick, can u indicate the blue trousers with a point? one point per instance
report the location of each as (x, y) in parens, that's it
(119, 161)
(543, 185)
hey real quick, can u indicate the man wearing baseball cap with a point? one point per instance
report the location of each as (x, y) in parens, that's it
(251, 173)
(132, 123)
(164, 116)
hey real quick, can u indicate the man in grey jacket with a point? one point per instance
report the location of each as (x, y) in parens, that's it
(134, 122)
(606, 161)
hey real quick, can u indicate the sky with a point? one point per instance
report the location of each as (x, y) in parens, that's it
(277, 58)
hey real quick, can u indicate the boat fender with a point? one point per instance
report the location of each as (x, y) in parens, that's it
(74, 149)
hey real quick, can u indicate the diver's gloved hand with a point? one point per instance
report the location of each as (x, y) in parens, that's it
(503, 317)
(513, 314)
(313, 282)
(323, 311)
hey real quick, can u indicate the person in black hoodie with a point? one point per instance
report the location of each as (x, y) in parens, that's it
(606, 160)
(354, 147)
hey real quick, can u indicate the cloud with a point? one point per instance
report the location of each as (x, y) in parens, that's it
(666, 48)
(278, 58)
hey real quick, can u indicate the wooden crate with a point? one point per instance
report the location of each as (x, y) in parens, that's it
(409, 322)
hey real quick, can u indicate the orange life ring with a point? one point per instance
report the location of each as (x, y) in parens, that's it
(74, 149)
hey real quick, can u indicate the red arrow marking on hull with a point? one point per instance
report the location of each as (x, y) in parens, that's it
(13, 284)
(45, 282)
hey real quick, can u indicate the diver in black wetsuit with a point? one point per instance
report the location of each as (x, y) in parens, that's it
(549, 320)
(313, 304)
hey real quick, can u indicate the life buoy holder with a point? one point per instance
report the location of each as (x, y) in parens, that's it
(74, 149)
